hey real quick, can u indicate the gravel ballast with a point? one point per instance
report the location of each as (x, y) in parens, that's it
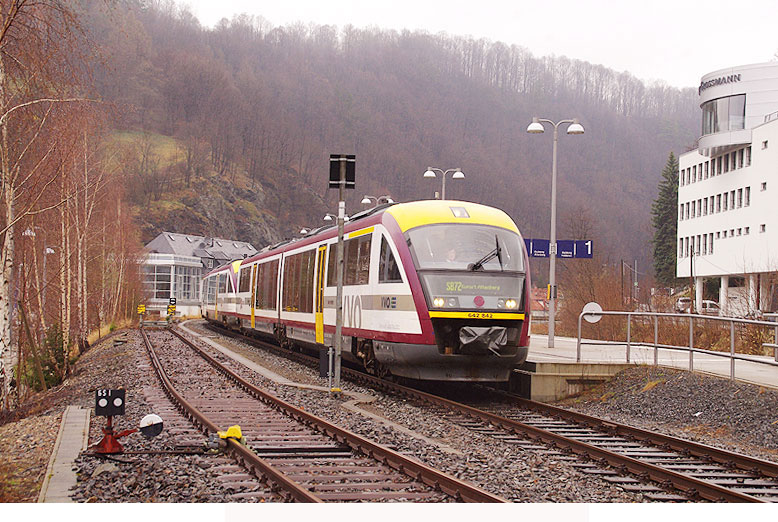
(711, 410)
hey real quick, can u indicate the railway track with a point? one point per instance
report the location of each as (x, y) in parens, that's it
(661, 467)
(303, 457)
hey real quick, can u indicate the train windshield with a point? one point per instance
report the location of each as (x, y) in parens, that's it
(466, 247)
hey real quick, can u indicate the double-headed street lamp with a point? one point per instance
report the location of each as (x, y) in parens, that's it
(457, 174)
(536, 127)
(378, 200)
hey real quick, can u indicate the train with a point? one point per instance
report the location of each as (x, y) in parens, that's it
(435, 290)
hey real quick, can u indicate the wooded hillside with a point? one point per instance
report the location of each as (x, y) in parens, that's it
(254, 111)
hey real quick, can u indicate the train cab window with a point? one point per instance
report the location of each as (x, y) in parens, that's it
(388, 271)
(245, 279)
(222, 285)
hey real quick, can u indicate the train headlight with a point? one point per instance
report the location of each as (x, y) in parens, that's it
(511, 303)
(501, 303)
(452, 302)
(438, 302)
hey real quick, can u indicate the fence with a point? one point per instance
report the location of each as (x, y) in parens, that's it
(691, 349)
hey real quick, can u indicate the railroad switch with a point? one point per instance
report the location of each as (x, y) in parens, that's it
(110, 403)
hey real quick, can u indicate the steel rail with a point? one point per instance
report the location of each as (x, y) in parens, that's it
(738, 460)
(680, 481)
(683, 482)
(465, 491)
(239, 451)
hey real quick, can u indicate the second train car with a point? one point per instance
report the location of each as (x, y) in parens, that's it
(432, 290)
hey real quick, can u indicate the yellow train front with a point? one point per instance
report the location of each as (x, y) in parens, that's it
(433, 290)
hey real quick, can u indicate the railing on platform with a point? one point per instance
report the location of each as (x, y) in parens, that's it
(691, 349)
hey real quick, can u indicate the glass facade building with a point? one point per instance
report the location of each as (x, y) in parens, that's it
(174, 266)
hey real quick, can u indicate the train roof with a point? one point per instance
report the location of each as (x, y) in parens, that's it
(417, 213)
(407, 215)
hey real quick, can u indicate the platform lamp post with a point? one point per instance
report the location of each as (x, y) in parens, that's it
(378, 200)
(536, 127)
(329, 217)
(456, 174)
(47, 250)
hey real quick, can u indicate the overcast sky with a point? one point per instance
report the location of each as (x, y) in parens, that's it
(674, 41)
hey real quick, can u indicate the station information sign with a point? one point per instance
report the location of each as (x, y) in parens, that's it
(565, 248)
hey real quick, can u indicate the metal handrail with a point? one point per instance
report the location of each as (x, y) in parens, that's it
(691, 349)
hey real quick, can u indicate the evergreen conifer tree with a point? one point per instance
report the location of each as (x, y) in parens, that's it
(664, 213)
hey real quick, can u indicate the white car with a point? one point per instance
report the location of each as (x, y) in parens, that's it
(683, 305)
(710, 307)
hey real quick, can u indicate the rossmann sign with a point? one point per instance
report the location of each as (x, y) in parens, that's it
(723, 80)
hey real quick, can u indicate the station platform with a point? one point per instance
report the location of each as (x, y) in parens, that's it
(553, 373)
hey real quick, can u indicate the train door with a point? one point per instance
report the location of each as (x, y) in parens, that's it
(320, 294)
(216, 299)
(253, 291)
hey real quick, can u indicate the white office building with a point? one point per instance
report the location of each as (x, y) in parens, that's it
(728, 188)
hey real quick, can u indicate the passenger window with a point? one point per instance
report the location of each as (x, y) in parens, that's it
(356, 260)
(388, 271)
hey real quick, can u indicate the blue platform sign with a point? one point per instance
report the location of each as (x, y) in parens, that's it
(584, 249)
(537, 247)
(565, 248)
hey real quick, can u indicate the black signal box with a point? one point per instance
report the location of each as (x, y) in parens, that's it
(335, 162)
(109, 403)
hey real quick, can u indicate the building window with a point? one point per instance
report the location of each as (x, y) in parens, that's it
(740, 154)
(724, 114)
(725, 202)
(694, 173)
(726, 163)
(157, 282)
(748, 156)
(706, 169)
(718, 203)
(694, 208)
(734, 160)
(705, 207)
(739, 198)
(704, 244)
(762, 228)
(740, 231)
(680, 212)
(731, 232)
(718, 165)
(764, 144)
(746, 231)
(725, 234)
(747, 201)
(718, 235)
(732, 199)
(764, 186)
(680, 247)
(710, 243)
